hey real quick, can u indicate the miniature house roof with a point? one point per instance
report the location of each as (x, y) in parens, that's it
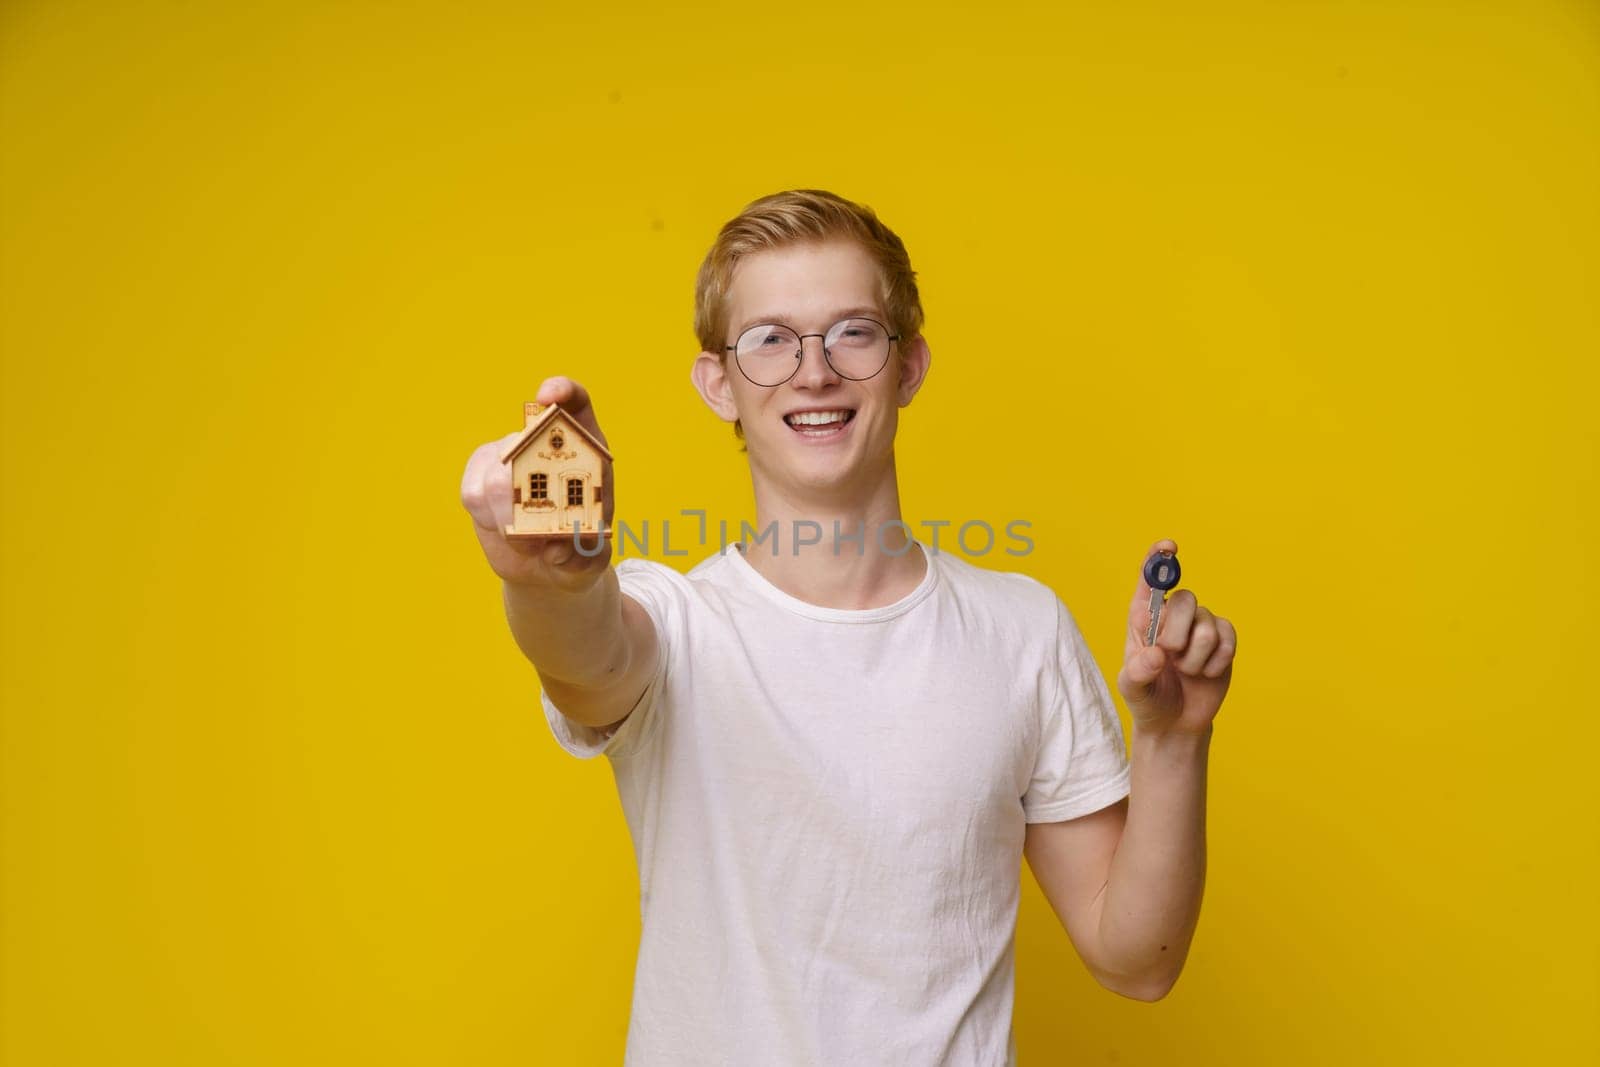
(540, 416)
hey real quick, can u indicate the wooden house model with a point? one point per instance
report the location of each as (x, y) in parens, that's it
(556, 468)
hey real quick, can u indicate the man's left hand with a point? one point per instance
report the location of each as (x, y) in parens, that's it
(1177, 684)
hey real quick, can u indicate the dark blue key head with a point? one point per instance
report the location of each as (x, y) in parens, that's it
(1161, 572)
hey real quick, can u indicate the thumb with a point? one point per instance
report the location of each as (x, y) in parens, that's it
(1140, 671)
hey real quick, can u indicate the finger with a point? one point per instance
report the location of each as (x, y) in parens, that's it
(1177, 619)
(1139, 610)
(472, 494)
(1222, 656)
(559, 389)
(579, 553)
(588, 550)
(608, 477)
(497, 484)
(574, 400)
(557, 551)
(1202, 642)
(484, 482)
(1139, 673)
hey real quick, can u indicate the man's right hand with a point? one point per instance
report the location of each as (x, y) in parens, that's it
(552, 564)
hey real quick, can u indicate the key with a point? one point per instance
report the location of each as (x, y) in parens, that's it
(1160, 574)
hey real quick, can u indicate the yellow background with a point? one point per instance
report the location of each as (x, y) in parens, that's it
(1310, 288)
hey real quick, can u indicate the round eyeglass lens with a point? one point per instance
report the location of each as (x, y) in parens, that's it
(856, 348)
(768, 354)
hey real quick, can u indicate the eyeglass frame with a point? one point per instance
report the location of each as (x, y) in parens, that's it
(800, 353)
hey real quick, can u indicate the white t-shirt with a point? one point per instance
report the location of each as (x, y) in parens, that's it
(827, 809)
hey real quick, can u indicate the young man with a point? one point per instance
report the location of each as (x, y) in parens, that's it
(834, 746)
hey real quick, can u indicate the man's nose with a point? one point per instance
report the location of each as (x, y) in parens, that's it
(815, 371)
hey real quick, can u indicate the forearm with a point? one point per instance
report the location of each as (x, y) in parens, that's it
(1151, 904)
(576, 637)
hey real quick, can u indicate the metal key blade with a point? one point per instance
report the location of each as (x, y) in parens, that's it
(1161, 573)
(1157, 599)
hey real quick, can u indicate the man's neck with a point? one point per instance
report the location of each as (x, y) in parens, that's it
(871, 562)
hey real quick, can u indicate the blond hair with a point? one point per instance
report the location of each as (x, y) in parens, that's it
(803, 216)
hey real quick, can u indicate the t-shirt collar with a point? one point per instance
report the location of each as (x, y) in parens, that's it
(751, 577)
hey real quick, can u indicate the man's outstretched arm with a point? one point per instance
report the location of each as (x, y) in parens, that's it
(594, 647)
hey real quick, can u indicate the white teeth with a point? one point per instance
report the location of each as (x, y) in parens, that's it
(816, 418)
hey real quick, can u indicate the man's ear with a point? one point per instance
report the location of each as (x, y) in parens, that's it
(710, 377)
(914, 361)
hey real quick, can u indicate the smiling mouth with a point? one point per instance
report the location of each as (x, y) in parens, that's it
(819, 423)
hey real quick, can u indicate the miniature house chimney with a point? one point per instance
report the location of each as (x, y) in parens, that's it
(530, 412)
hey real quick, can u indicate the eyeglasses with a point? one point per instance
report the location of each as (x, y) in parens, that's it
(770, 354)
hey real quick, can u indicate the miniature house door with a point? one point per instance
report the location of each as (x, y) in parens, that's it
(575, 500)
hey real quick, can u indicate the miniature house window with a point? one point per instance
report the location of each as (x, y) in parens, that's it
(556, 440)
(537, 486)
(597, 494)
(574, 492)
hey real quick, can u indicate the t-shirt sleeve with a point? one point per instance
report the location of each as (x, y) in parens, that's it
(1082, 762)
(658, 589)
